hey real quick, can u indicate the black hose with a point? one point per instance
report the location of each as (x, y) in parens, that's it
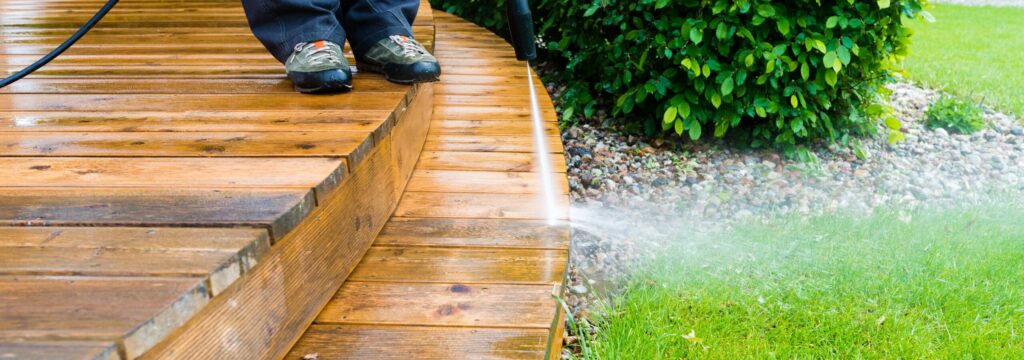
(63, 47)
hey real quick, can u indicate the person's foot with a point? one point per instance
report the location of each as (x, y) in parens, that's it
(319, 67)
(401, 60)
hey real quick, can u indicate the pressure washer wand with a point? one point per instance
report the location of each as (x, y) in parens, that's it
(520, 25)
(63, 47)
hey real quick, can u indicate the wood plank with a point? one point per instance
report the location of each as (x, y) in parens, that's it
(454, 181)
(321, 174)
(527, 306)
(205, 102)
(139, 310)
(125, 238)
(112, 262)
(476, 143)
(488, 128)
(398, 342)
(66, 350)
(485, 161)
(534, 234)
(468, 112)
(195, 121)
(461, 265)
(479, 205)
(183, 144)
(227, 253)
(277, 210)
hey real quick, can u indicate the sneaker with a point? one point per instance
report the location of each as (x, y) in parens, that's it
(319, 67)
(401, 60)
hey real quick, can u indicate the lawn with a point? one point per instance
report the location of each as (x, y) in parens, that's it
(911, 285)
(973, 51)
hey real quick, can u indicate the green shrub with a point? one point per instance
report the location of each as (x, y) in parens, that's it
(954, 114)
(761, 71)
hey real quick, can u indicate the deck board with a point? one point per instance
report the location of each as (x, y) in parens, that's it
(164, 165)
(467, 266)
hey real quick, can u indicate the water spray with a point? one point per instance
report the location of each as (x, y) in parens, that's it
(520, 26)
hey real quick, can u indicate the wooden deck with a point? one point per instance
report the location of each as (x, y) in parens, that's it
(467, 266)
(167, 195)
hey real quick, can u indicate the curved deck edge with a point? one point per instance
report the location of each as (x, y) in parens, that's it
(467, 267)
(264, 312)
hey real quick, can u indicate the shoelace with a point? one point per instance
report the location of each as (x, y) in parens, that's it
(409, 46)
(319, 55)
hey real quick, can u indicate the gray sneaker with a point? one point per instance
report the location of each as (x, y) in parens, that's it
(319, 67)
(402, 60)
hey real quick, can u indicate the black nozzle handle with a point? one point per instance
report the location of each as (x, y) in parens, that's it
(520, 25)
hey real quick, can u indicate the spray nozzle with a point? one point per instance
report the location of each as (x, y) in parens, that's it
(520, 25)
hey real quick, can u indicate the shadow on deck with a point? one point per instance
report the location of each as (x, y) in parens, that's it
(166, 199)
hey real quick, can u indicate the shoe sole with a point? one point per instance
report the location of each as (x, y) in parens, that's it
(324, 89)
(380, 70)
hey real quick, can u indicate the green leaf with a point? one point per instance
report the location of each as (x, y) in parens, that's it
(843, 54)
(829, 59)
(805, 71)
(749, 60)
(716, 100)
(590, 11)
(661, 4)
(695, 132)
(794, 101)
(893, 123)
(723, 30)
(696, 35)
(670, 114)
(896, 136)
(783, 26)
(766, 10)
(706, 70)
(832, 22)
(831, 78)
(727, 86)
(679, 127)
(683, 109)
(883, 4)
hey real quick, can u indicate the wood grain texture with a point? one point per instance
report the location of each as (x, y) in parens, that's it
(480, 205)
(66, 350)
(138, 310)
(461, 181)
(277, 210)
(321, 174)
(293, 281)
(485, 161)
(402, 342)
(535, 234)
(476, 305)
(465, 265)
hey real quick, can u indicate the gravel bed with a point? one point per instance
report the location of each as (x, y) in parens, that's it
(627, 191)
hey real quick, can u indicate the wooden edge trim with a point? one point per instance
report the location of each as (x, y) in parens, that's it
(266, 311)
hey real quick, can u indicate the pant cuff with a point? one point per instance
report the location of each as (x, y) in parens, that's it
(363, 43)
(284, 48)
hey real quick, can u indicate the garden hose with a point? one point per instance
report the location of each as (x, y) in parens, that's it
(63, 47)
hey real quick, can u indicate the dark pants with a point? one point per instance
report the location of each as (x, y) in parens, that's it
(280, 24)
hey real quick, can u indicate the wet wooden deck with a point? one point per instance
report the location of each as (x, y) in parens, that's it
(167, 195)
(467, 266)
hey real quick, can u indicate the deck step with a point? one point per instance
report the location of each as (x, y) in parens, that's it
(468, 266)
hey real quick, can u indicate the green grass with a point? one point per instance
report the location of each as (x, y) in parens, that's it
(972, 51)
(941, 285)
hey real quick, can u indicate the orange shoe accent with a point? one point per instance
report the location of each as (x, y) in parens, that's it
(405, 38)
(319, 44)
